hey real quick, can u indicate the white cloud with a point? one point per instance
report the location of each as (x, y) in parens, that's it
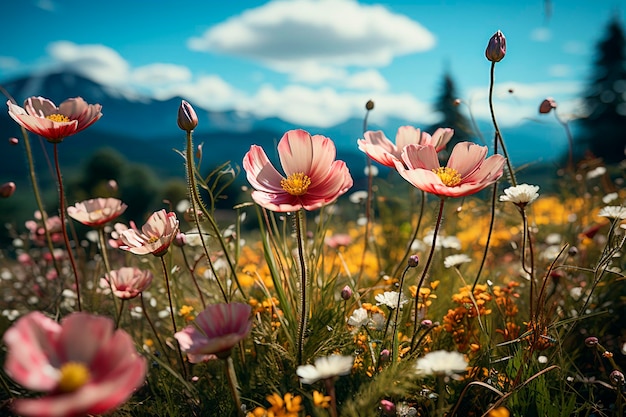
(161, 74)
(208, 91)
(98, 62)
(315, 73)
(541, 34)
(47, 5)
(367, 80)
(330, 32)
(575, 48)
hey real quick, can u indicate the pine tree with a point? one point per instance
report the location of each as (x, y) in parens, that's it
(604, 128)
(450, 114)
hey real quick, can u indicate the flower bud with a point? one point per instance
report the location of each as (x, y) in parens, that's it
(426, 323)
(112, 185)
(591, 341)
(496, 49)
(388, 408)
(617, 378)
(187, 119)
(14, 141)
(384, 355)
(346, 293)
(369, 105)
(180, 240)
(547, 105)
(7, 189)
(413, 261)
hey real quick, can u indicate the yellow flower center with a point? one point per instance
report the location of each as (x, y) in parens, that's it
(58, 118)
(449, 176)
(73, 376)
(296, 184)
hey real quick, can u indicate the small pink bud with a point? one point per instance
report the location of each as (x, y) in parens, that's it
(180, 240)
(591, 341)
(547, 105)
(496, 49)
(457, 102)
(384, 355)
(199, 152)
(617, 378)
(413, 261)
(112, 185)
(7, 189)
(14, 141)
(426, 323)
(346, 293)
(187, 118)
(388, 408)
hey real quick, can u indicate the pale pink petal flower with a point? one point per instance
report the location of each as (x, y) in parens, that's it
(155, 237)
(215, 331)
(83, 364)
(382, 150)
(42, 117)
(127, 282)
(313, 177)
(97, 211)
(467, 171)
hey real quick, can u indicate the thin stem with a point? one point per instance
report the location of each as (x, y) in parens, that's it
(169, 298)
(193, 278)
(531, 273)
(195, 202)
(107, 265)
(395, 321)
(413, 236)
(304, 283)
(330, 391)
(232, 383)
(63, 225)
(119, 314)
(368, 204)
(498, 135)
(489, 233)
(427, 267)
(154, 330)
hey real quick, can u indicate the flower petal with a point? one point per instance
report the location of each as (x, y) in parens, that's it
(295, 151)
(260, 173)
(466, 157)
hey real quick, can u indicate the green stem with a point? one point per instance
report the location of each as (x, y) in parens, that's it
(107, 265)
(63, 225)
(304, 282)
(169, 299)
(394, 352)
(119, 314)
(232, 383)
(498, 135)
(426, 268)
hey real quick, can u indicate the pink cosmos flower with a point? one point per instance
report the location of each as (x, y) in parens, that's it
(37, 232)
(382, 150)
(155, 236)
(215, 331)
(467, 171)
(97, 211)
(42, 117)
(83, 364)
(314, 178)
(127, 282)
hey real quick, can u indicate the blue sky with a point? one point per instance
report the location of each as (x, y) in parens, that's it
(316, 62)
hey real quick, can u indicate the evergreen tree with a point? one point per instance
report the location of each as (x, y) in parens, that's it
(604, 128)
(450, 114)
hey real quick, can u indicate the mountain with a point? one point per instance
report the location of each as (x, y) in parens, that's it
(145, 130)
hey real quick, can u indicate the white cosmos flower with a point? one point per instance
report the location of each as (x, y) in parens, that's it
(441, 362)
(358, 318)
(455, 260)
(521, 194)
(613, 212)
(390, 299)
(324, 368)
(610, 197)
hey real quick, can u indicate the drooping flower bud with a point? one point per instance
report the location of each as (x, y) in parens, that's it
(591, 341)
(388, 408)
(617, 378)
(547, 105)
(369, 105)
(413, 261)
(496, 49)
(7, 189)
(13, 141)
(187, 118)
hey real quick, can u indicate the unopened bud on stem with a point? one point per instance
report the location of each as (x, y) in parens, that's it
(187, 118)
(496, 49)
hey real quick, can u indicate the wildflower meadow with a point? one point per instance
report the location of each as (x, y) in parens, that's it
(454, 286)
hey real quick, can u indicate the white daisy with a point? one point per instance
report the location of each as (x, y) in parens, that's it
(456, 260)
(613, 212)
(390, 299)
(358, 318)
(441, 362)
(521, 194)
(324, 368)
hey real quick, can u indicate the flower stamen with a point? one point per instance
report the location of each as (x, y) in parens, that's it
(73, 376)
(296, 184)
(59, 118)
(449, 176)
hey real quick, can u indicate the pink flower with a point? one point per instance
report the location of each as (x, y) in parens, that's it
(155, 236)
(467, 171)
(97, 211)
(382, 150)
(83, 364)
(42, 117)
(38, 233)
(314, 177)
(215, 331)
(7, 189)
(338, 240)
(127, 282)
